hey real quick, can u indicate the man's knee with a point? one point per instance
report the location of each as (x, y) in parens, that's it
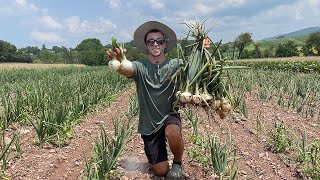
(173, 130)
(161, 168)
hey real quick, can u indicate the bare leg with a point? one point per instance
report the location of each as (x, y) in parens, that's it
(161, 168)
(176, 144)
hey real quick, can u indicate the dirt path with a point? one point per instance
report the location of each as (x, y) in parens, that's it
(254, 159)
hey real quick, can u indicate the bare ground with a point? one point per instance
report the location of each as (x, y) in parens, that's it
(254, 159)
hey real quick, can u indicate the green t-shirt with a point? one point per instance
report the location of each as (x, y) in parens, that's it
(155, 92)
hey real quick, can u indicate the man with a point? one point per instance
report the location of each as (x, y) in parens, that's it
(159, 124)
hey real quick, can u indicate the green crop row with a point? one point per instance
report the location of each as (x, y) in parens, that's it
(53, 99)
(296, 66)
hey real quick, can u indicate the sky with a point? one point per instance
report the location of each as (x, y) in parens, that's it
(68, 22)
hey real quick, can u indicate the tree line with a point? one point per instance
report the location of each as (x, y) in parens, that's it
(92, 52)
(238, 50)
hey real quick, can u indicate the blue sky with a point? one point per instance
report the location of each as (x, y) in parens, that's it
(68, 22)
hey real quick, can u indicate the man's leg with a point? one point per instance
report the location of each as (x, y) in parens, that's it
(175, 140)
(173, 134)
(156, 151)
(176, 144)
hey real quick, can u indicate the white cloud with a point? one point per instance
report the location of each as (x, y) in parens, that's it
(48, 21)
(73, 23)
(232, 3)
(114, 3)
(103, 25)
(315, 6)
(202, 9)
(76, 25)
(155, 4)
(197, 11)
(25, 7)
(46, 36)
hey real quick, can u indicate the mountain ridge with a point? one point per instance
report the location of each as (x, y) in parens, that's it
(301, 32)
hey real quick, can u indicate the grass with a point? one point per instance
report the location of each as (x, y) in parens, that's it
(280, 141)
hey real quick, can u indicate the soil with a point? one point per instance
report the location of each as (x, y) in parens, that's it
(254, 158)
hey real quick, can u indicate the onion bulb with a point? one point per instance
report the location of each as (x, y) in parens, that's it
(114, 64)
(226, 106)
(178, 93)
(207, 97)
(185, 97)
(126, 65)
(221, 114)
(216, 104)
(196, 98)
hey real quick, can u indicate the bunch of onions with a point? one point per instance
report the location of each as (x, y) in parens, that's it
(195, 66)
(123, 64)
(201, 69)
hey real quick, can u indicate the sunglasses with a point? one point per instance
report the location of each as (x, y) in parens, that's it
(151, 42)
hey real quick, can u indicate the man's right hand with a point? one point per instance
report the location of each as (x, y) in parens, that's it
(110, 54)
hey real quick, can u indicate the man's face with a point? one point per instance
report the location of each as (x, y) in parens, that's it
(155, 43)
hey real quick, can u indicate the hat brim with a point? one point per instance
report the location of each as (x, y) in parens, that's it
(142, 30)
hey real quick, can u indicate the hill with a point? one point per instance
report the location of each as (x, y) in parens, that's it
(302, 32)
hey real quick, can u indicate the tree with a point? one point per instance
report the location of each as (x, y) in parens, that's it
(91, 52)
(288, 49)
(48, 57)
(269, 52)
(243, 40)
(257, 53)
(43, 47)
(56, 49)
(6, 51)
(133, 53)
(312, 43)
(30, 50)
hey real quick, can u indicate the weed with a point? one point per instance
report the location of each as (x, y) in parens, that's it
(280, 141)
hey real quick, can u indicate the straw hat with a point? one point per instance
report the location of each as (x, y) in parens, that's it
(142, 30)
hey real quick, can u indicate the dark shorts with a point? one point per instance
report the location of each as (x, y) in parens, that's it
(155, 145)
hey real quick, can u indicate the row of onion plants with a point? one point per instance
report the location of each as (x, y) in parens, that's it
(108, 146)
(53, 99)
(289, 89)
(295, 91)
(296, 66)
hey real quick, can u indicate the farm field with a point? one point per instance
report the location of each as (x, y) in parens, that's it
(284, 59)
(273, 132)
(35, 66)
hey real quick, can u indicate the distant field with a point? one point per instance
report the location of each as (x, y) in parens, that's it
(264, 44)
(37, 66)
(309, 58)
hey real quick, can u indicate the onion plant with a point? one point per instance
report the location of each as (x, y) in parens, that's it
(108, 147)
(5, 146)
(221, 157)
